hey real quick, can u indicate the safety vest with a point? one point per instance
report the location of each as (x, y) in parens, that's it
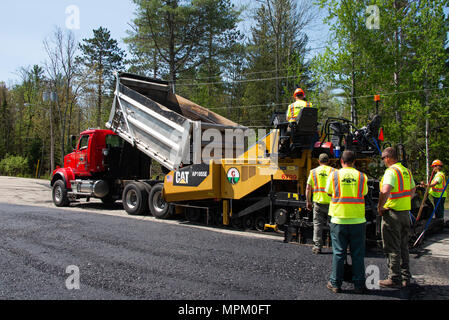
(348, 197)
(320, 176)
(295, 108)
(400, 195)
(439, 188)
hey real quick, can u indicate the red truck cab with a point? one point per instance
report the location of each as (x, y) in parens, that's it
(88, 157)
(99, 167)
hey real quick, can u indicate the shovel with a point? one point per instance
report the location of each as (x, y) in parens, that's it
(425, 197)
(431, 217)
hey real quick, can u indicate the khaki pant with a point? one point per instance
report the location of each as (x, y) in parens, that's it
(320, 214)
(395, 236)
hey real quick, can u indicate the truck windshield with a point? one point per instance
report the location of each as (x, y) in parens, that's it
(113, 141)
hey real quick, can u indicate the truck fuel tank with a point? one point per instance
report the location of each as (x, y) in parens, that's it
(94, 188)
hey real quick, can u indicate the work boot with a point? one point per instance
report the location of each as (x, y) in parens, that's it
(316, 250)
(388, 283)
(360, 290)
(332, 288)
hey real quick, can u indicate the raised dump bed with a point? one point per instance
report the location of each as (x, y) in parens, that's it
(163, 125)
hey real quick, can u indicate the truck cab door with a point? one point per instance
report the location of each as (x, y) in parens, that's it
(81, 156)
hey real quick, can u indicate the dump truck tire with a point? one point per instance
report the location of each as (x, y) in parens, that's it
(59, 194)
(134, 199)
(158, 207)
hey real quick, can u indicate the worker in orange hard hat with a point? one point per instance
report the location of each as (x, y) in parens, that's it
(295, 108)
(437, 187)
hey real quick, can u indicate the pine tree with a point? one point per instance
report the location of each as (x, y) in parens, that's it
(276, 57)
(101, 55)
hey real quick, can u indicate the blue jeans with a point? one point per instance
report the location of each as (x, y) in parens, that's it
(354, 236)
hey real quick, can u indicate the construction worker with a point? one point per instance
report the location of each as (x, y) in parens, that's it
(347, 188)
(315, 186)
(436, 189)
(397, 189)
(295, 108)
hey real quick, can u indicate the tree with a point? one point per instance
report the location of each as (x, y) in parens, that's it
(393, 61)
(61, 72)
(6, 121)
(101, 55)
(276, 50)
(219, 39)
(173, 28)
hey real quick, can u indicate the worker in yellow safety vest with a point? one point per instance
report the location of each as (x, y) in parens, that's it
(295, 108)
(347, 188)
(316, 185)
(437, 187)
(397, 189)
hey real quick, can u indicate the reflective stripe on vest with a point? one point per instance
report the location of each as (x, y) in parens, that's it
(315, 182)
(400, 195)
(338, 198)
(319, 178)
(294, 109)
(439, 187)
(402, 192)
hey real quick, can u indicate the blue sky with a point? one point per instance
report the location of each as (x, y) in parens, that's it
(24, 24)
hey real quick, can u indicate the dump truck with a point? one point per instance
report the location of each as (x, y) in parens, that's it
(215, 171)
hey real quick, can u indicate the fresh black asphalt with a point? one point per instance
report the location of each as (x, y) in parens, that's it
(122, 258)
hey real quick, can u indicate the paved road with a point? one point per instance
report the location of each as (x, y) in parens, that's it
(122, 257)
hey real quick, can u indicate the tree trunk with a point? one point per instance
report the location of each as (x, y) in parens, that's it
(353, 92)
(52, 141)
(100, 94)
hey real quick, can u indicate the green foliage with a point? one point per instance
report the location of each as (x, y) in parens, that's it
(100, 56)
(276, 59)
(14, 166)
(404, 61)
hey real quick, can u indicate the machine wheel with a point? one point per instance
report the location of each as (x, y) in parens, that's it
(260, 223)
(134, 198)
(237, 223)
(158, 207)
(281, 216)
(248, 222)
(59, 193)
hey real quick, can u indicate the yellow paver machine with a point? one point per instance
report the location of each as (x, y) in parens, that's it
(220, 173)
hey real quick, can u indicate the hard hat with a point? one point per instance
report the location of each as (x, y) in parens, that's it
(299, 92)
(437, 163)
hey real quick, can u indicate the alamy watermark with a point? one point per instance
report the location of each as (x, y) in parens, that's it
(73, 280)
(373, 20)
(373, 276)
(72, 21)
(213, 144)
